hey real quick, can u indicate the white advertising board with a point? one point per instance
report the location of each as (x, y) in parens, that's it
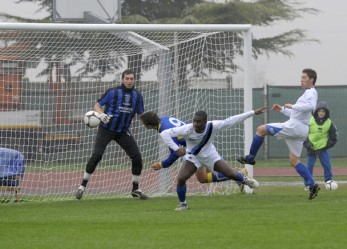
(14, 119)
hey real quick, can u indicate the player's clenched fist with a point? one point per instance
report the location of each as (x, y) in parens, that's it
(181, 151)
(156, 166)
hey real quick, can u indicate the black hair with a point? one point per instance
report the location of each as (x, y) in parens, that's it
(311, 74)
(201, 114)
(126, 72)
(150, 118)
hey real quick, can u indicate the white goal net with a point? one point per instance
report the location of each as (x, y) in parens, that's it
(51, 74)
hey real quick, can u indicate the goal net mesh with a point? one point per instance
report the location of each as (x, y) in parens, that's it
(50, 79)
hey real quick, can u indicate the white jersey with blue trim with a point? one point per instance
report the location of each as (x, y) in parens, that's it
(201, 142)
(303, 108)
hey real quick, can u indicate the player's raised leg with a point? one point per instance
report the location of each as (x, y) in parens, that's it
(258, 140)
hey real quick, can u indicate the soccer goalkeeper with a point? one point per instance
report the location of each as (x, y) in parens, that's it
(120, 106)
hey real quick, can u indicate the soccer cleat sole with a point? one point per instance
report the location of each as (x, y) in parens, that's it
(314, 192)
(243, 160)
(241, 186)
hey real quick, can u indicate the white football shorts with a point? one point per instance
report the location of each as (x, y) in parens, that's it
(207, 161)
(294, 134)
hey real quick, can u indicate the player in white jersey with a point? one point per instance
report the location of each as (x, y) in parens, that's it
(201, 151)
(151, 120)
(294, 131)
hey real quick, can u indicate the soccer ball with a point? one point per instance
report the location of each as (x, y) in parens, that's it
(91, 120)
(331, 185)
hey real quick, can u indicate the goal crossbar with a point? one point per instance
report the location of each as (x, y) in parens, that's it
(125, 27)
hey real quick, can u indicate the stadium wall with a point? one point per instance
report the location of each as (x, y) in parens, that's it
(334, 96)
(62, 142)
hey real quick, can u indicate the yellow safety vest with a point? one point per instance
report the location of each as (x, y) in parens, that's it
(318, 134)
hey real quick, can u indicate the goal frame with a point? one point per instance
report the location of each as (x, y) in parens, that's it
(247, 53)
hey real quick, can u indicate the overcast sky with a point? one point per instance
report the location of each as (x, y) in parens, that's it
(328, 58)
(26, 10)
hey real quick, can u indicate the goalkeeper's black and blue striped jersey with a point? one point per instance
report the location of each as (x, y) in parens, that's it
(123, 104)
(168, 123)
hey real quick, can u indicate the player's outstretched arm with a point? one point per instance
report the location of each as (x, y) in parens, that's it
(171, 159)
(277, 107)
(260, 110)
(286, 110)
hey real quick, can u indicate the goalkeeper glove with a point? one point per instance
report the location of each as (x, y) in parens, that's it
(104, 117)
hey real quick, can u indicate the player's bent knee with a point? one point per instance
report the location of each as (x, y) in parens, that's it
(137, 168)
(201, 175)
(181, 181)
(202, 179)
(92, 163)
(136, 161)
(261, 130)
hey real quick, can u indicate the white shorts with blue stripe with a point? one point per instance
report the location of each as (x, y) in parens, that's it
(206, 160)
(293, 132)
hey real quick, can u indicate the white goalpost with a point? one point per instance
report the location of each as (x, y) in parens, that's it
(52, 74)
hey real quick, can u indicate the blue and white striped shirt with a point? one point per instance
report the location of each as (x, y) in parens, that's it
(123, 104)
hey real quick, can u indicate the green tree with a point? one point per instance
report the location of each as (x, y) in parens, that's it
(155, 11)
(258, 13)
(43, 5)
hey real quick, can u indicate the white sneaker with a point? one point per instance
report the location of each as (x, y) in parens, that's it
(250, 182)
(182, 207)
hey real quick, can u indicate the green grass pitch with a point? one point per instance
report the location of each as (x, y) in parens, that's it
(272, 217)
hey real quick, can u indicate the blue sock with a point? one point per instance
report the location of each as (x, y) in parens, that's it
(181, 192)
(219, 177)
(239, 177)
(305, 173)
(256, 143)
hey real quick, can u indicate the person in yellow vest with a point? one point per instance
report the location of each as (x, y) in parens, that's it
(322, 136)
